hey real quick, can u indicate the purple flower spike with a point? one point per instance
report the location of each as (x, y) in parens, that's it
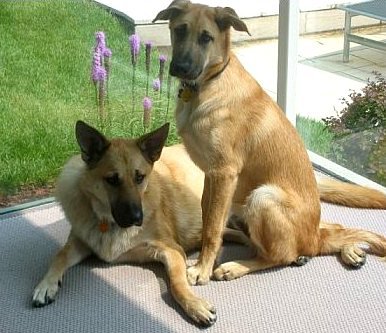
(134, 47)
(96, 59)
(156, 84)
(148, 46)
(163, 58)
(96, 66)
(101, 39)
(162, 61)
(99, 74)
(147, 104)
(106, 52)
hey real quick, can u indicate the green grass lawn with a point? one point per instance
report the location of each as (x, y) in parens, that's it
(315, 135)
(45, 65)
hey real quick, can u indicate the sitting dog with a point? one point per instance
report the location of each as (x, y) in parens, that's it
(255, 163)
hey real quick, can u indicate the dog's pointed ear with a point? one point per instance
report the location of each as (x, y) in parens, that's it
(174, 9)
(92, 143)
(151, 144)
(227, 17)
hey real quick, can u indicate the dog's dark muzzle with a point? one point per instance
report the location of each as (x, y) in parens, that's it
(127, 214)
(184, 69)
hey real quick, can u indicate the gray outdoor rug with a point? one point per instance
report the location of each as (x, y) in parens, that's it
(321, 296)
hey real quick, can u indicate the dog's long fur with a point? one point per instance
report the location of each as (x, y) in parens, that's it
(255, 163)
(125, 206)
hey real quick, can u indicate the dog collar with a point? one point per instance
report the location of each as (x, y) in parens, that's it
(220, 71)
(188, 88)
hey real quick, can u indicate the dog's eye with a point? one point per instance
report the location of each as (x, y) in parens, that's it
(205, 38)
(113, 180)
(180, 31)
(139, 177)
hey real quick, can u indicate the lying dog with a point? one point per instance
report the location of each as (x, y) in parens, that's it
(125, 206)
(255, 163)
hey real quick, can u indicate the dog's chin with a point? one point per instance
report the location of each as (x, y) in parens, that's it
(189, 77)
(124, 224)
(127, 225)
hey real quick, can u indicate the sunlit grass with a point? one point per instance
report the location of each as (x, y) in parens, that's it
(45, 64)
(315, 135)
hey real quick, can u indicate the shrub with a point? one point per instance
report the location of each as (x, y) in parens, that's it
(363, 110)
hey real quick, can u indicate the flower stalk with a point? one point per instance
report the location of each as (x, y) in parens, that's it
(148, 47)
(100, 73)
(135, 44)
(147, 106)
(162, 61)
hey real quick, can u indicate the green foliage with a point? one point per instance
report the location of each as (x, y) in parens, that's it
(363, 110)
(359, 131)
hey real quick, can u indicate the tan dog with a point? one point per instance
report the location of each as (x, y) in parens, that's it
(125, 206)
(255, 163)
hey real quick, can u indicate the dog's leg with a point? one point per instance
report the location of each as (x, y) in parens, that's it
(352, 255)
(236, 236)
(173, 258)
(73, 252)
(270, 231)
(197, 308)
(219, 188)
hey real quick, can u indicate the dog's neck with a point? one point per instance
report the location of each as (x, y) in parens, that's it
(190, 88)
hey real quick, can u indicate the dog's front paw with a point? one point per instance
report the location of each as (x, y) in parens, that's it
(201, 311)
(197, 276)
(353, 256)
(45, 292)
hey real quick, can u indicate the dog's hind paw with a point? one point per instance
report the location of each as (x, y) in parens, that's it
(302, 260)
(45, 293)
(353, 256)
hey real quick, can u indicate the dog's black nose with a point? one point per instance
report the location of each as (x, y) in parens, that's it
(179, 68)
(137, 216)
(127, 214)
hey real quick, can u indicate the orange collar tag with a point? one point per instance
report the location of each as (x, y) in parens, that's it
(103, 226)
(186, 94)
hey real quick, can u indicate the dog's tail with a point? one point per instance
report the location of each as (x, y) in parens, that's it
(334, 237)
(350, 195)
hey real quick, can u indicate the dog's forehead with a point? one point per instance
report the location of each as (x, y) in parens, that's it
(197, 18)
(124, 154)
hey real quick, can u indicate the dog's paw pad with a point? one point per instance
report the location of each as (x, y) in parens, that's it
(358, 262)
(353, 256)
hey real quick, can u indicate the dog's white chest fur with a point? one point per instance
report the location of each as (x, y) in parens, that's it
(111, 244)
